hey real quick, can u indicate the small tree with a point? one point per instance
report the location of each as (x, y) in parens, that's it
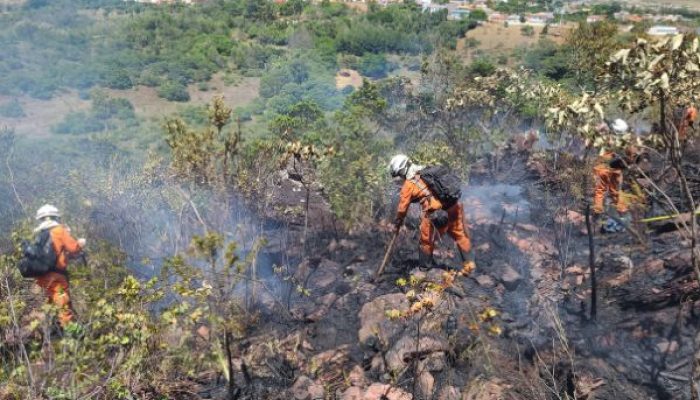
(661, 77)
(589, 47)
(527, 30)
(206, 156)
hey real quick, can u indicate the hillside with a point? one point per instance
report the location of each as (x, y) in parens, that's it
(231, 177)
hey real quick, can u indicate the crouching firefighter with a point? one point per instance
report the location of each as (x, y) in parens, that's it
(47, 260)
(437, 191)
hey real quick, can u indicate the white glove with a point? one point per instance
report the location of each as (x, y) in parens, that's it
(81, 243)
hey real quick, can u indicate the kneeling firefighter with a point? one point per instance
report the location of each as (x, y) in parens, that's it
(437, 191)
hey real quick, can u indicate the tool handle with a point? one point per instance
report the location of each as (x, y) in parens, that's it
(387, 255)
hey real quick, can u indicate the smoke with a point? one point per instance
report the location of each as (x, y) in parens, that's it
(489, 203)
(110, 195)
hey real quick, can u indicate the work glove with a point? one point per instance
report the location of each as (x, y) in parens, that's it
(398, 222)
(467, 268)
(81, 243)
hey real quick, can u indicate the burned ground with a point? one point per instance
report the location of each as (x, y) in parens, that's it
(338, 341)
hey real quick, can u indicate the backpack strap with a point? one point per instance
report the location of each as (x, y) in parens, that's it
(425, 191)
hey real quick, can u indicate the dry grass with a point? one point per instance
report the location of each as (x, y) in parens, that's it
(41, 115)
(357, 6)
(147, 103)
(496, 40)
(348, 77)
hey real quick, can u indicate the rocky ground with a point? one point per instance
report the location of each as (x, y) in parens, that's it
(518, 328)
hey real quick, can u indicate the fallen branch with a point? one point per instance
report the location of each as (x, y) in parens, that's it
(674, 377)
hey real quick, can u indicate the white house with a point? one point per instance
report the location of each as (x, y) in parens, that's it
(660, 30)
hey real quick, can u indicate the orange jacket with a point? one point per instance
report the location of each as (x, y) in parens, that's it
(64, 245)
(415, 190)
(691, 114)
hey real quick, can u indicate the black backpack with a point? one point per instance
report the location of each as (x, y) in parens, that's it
(444, 184)
(39, 257)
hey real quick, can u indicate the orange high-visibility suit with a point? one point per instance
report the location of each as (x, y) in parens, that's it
(607, 180)
(55, 284)
(416, 191)
(690, 115)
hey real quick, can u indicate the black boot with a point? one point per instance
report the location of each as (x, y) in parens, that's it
(425, 261)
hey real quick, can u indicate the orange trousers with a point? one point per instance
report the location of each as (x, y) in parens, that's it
(55, 286)
(455, 228)
(607, 180)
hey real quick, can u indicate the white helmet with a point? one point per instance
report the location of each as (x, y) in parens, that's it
(620, 127)
(47, 210)
(398, 166)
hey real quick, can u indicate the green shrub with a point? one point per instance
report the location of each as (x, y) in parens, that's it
(482, 67)
(174, 91)
(527, 30)
(117, 78)
(375, 66)
(78, 123)
(106, 113)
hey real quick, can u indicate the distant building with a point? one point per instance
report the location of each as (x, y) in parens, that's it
(497, 17)
(660, 30)
(621, 16)
(668, 18)
(458, 14)
(513, 19)
(624, 16)
(434, 7)
(541, 18)
(595, 18)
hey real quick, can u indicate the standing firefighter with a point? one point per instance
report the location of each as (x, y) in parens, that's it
(437, 191)
(55, 281)
(608, 173)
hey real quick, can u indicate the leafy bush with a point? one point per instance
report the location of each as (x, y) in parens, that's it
(549, 59)
(173, 91)
(121, 332)
(478, 15)
(482, 67)
(78, 123)
(106, 113)
(117, 78)
(527, 30)
(375, 66)
(304, 77)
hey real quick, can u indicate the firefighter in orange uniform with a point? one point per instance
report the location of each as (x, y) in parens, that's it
(55, 283)
(608, 173)
(415, 190)
(688, 118)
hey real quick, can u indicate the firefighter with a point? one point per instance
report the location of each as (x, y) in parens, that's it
(415, 190)
(55, 283)
(689, 115)
(608, 174)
